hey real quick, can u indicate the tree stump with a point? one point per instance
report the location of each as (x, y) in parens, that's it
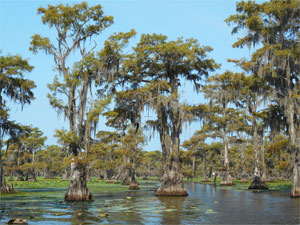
(257, 183)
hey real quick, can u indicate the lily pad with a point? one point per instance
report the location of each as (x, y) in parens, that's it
(156, 212)
(170, 210)
(60, 214)
(103, 215)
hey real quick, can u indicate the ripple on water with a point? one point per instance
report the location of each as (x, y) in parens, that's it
(205, 204)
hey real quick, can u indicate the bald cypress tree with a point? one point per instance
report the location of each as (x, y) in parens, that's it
(155, 70)
(275, 26)
(75, 27)
(14, 87)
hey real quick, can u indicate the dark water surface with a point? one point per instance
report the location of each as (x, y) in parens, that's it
(205, 204)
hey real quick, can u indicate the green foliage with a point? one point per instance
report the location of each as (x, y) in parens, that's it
(66, 138)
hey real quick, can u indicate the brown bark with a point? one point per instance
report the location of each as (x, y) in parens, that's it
(78, 190)
(11, 177)
(194, 166)
(255, 146)
(65, 175)
(257, 183)
(4, 187)
(172, 179)
(295, 193)
(265, 175)
(20, 176)
(204, 165)
(226, 178)
(169, 137)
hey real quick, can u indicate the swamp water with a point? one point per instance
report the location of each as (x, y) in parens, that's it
(205, 204)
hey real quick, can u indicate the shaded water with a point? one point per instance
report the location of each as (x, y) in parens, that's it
(205, 204)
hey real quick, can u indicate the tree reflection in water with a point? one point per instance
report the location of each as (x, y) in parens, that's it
(173, 211)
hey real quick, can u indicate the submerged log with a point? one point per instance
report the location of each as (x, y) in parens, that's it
(257, 183)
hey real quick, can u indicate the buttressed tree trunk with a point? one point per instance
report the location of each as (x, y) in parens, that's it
(295, 193)
(296, 177)
(4, 187)
(257, 182)
(172, 179)
(226, 178)
(133, 182)
(78, 190)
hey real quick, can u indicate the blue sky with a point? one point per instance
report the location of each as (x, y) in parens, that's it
(200, 19)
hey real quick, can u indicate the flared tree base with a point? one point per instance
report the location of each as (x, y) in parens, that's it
(227, 183)
(134, 186)
(244, 181)
(257, 183)
(126, 181)
(79, 195)
(171, 191)
(6, 189)
(295, 193)
(205, 180)
(112, 182)
(78, 190)
(226, 179)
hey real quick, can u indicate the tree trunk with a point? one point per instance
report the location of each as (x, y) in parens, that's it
(296, 179)
(78, 190)
(4, 187)
(243, 175)
(32, 176)
(194, 166)
(127, 178)
(11, 176)
(265, 175)
(20, 175)
(204, 166)
(225, 176)
(65, 175)
(295, 153)
(172, 179)
(133, 182)
(257, 183)
(255, 146)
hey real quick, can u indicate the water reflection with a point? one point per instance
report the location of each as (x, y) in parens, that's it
(205, 204)
(173, 209)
